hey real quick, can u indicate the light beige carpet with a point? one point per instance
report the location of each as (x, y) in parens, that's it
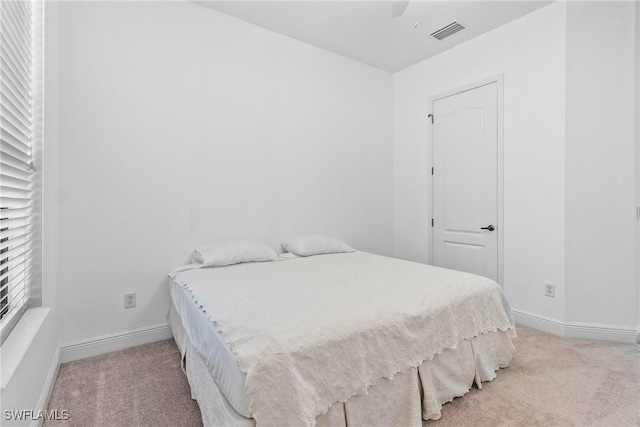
(552, 381)
(139, 386)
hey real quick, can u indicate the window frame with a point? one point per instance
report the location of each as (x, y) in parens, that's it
(33, 254)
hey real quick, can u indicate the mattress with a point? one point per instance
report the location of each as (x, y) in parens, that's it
(219, 359)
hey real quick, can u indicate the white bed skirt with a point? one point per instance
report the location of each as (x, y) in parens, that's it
(405, 400)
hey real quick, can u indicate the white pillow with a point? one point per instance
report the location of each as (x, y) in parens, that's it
(315, 244)
(233, 252)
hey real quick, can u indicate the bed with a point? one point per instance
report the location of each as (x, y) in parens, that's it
(338, 339)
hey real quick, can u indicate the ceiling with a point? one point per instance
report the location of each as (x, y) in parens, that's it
(366, 32)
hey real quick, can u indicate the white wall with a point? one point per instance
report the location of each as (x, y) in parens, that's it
(601, 286)
(530, 54)
(263, 136)
(181, 126)
(51, 219)
(569, 160)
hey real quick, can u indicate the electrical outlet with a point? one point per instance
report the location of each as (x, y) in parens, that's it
(130, 300)
(550, 290)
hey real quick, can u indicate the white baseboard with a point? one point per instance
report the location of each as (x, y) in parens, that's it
(108, 343)
(575, 330)
(47, 388)
(538, 322)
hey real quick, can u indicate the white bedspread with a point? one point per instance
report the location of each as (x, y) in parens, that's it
(313, 331)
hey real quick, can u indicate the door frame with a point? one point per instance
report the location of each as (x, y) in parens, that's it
(499, 80)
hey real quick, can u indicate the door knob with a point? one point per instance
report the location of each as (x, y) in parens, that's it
(490, 228)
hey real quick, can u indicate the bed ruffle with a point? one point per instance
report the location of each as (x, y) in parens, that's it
(415, 394)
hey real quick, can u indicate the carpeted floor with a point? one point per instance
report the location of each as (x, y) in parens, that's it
(552, 381)
(139, 386)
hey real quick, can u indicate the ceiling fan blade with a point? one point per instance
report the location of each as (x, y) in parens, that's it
(398, 7)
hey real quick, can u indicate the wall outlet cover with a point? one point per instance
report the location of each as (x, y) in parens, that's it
(130, 300)
(550, 290)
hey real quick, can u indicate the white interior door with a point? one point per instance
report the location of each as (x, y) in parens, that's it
(465, 181)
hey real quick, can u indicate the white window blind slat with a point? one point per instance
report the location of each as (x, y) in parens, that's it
(18, 54)
(15, 295)
(14, 173)
(16, 116)
(26, 7)
(12, 52)
(12, 178)
(14, 185)
(21, 15)
(21, 247)
(13, 286)
(20, 128)
(14, 30)
(14, 213)
(24, 10)
(19, 267)
(13, 202)
(23, 89)
(13, 240)
(17, 250)
(21, 144)
(13, 232)
(9, 88)
(19, 45)
(12, 281)
(10, 164)
(13, 157)
(16, 285)
(16, 243)
(16, 48)
(15, 147)
(13, 100)
(14, 192)
(15, 53)
(10, 45)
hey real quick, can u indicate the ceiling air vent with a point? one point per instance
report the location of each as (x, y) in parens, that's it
(448, 30)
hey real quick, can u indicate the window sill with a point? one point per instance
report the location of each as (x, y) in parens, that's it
(15, 347)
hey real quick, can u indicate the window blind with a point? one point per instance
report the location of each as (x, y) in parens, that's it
(16, 161)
